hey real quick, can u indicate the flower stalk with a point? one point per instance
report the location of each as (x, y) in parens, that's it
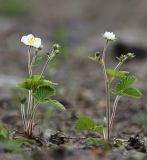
(107, 89)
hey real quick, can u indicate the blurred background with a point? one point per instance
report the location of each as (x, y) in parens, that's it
(77, 25)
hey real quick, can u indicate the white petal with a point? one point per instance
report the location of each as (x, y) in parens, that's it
(24, 39)
(37, 43)
(30, 35)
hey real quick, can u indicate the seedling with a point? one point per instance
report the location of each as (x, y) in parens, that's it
(123, 87)
(38, 90)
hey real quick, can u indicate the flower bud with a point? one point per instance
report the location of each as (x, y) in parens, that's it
(97, 54)
(130, 55)
(47, 53)
(56, 47)
(57, 51)
(122, 58)
(40, 48)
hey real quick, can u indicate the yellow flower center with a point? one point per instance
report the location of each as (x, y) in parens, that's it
(31, 40)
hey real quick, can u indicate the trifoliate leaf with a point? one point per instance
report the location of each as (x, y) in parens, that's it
(34, 82)
(30, 83)
(43, 92)
(56, 104)
(85, 123)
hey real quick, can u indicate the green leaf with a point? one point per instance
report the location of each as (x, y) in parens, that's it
(92, 58)
(99, 128)
(20, 141)
(85, 123)
(95, 141)
(43, 92)
(34, 82)
(116, 73)
(37, 61)
(4, 133)
(132, 92)
(123, 84)
(30, 83)
(96, 58)
(56, 104)
(35, 78)
(48, 83)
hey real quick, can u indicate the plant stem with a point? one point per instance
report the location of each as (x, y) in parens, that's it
(44, 67)
(47, 61)
(23, 115)
(107, 99)
(29, 62)
(34, 57)
(34, 111)
(104, 50)
(30, 97)
(114, 112)
(107, 87)
(118, 65)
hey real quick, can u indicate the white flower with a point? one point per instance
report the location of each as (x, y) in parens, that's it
(110, 36)
(30, 40)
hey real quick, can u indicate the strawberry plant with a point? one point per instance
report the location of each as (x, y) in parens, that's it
(38, 89)
(121, 87)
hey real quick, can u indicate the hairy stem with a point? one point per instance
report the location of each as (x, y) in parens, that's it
(30, 97)
(47, 61)
(45, 66)
(118, 65)
(114, 112)
(34, 57)
(29, 62)
(23, 115)
(104, 50)
(107, 88)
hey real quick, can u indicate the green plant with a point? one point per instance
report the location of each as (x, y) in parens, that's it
(38, 89)
(8, 144)
(122, 88)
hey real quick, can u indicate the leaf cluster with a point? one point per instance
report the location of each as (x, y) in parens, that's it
(124, 86)
(42, 90)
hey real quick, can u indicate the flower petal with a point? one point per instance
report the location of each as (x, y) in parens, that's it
(37, 43)
(24, 39)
